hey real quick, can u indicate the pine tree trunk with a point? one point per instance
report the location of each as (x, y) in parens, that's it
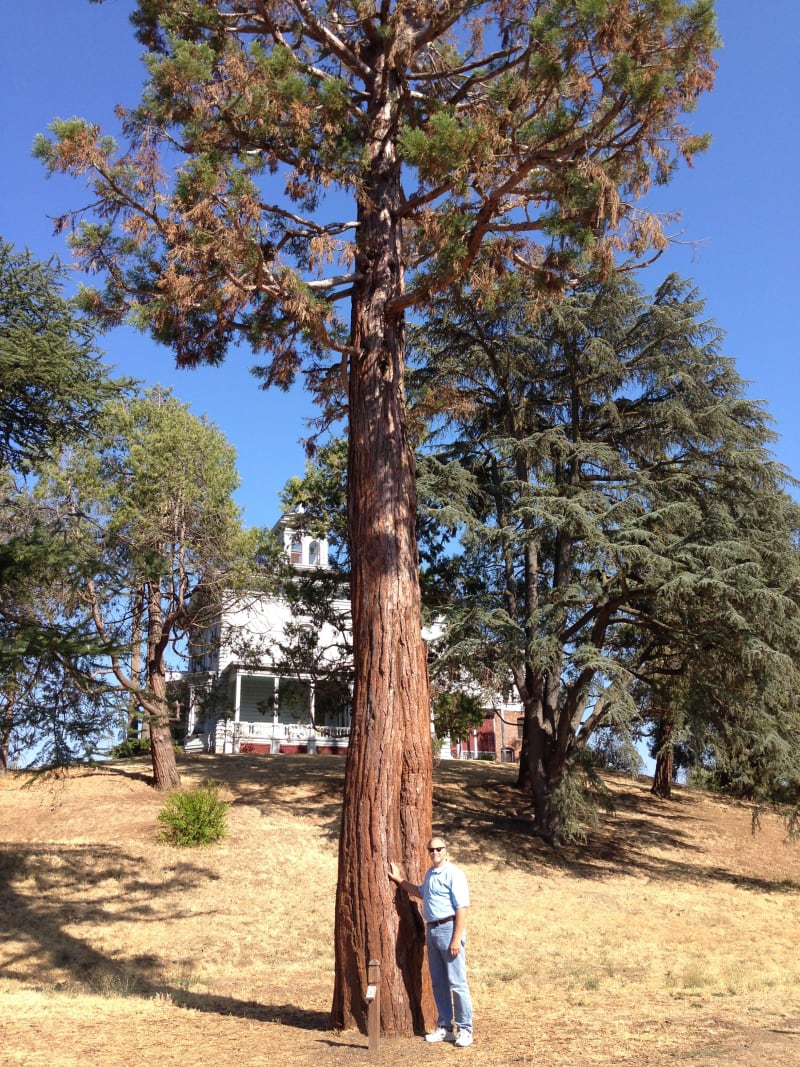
(388, 783)
(162, 753)
(546, 760)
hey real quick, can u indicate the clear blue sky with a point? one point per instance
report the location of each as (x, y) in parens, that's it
(740, 231)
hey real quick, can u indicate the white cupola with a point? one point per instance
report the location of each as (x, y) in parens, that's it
(301, 549)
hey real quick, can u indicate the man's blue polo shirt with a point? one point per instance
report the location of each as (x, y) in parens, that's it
(443, 890)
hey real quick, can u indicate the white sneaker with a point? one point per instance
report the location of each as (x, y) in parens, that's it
(464, 1039)
(441, 1034)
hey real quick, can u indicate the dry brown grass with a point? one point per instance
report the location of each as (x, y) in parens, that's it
(670, 938)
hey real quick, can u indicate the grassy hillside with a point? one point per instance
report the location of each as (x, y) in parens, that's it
(670, 938)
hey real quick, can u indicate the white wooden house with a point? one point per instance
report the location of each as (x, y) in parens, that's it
(241, 700)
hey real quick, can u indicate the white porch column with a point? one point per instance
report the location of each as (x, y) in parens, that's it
(191, 711)
(275, 744)
(312, 703)
(237, 707)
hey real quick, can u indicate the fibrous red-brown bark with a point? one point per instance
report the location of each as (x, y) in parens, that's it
(388, 786)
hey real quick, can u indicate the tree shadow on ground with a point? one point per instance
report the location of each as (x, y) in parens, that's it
(311, 785)
(42, 927)
(286, 1014)
(477, 805)
(123, 769)
(480, 807)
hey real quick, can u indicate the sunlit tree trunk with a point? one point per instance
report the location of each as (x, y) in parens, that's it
(162, 753)
(388, 785)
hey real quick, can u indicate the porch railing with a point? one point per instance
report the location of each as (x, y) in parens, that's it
(231, 735)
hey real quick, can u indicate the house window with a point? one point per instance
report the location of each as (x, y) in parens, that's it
(296, 550)
(313, 554)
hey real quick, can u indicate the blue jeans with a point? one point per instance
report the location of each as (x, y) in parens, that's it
(449, 978)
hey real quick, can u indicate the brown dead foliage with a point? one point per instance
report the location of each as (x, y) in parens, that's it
(669, 938)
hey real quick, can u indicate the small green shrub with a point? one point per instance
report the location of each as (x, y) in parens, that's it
(131, 747)
(194, 816)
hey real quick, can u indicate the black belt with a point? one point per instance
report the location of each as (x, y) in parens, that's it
(440, 922)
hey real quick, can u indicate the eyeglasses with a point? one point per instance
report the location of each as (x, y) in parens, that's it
(440, 849)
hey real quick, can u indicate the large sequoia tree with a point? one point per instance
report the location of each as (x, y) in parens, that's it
(291, 157)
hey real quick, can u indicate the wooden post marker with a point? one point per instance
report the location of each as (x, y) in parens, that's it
(374, 1005)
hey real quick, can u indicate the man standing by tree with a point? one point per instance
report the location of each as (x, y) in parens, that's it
(445, 899)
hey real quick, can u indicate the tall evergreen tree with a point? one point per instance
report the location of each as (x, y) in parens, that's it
(371, 153)
(616, 496)
(727, 707)
(54, 386)
(155, 538)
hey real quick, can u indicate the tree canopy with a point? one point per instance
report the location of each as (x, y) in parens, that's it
(529, 128)
(53, 710)
(54, 382)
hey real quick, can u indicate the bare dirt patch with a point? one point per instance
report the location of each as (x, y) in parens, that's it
(669, 938)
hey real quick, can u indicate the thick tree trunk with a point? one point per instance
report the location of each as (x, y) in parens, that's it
(162, 753)
(546, 771)
(546, 757)
(388, 783)
(665, 760)
(662, 776)
(544, 747)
